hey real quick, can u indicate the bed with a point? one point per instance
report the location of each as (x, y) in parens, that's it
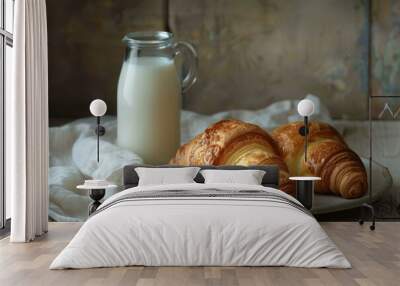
(201, 224)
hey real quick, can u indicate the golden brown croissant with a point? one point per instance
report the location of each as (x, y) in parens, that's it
(233, 142)
(328, 157)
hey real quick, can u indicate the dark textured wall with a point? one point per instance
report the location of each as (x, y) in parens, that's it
(386, 58)
(251, 52)
(254, 52)
(86, 52)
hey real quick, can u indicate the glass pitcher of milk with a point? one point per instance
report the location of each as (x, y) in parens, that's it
(150, 94)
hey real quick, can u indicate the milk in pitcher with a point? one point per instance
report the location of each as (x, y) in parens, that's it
(150, 94)
(149, 104)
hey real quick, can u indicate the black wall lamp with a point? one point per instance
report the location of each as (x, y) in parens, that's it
(98, 108)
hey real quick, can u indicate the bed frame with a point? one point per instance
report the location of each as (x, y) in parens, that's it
(270, 179)
(131, 179)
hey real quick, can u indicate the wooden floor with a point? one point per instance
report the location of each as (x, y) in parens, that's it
(375, 257)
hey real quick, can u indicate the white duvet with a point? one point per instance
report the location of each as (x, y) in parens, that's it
(203, 231)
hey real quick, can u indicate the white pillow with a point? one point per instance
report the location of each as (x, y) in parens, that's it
(162, 176)
(248, 177)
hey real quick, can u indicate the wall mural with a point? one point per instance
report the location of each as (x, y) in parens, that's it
(253, 66)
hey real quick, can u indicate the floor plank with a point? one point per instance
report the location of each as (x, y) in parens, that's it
(375, 257)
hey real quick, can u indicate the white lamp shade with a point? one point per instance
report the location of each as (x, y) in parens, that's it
(305, 107)
(98, 107)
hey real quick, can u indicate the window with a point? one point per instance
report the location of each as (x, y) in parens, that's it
(6, 44)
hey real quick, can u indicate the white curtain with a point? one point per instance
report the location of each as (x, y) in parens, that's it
(27, 123)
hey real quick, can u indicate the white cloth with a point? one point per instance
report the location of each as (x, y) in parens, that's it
(27, 124)
(73, 160)
(199, 231)
(73, 147)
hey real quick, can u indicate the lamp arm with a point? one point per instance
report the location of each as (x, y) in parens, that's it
(100, 131)
(306, 137)
(98, 139)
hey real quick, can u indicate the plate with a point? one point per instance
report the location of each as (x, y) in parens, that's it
(382, 182)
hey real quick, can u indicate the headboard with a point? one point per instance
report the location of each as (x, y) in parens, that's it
(271, 177)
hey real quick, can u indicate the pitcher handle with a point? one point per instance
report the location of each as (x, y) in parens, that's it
(190, 58)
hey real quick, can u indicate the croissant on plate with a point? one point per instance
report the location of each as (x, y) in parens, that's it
(328, 157)
(234, 142)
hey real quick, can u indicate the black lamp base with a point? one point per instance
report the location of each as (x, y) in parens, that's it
(305, 192)
(96, 195)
